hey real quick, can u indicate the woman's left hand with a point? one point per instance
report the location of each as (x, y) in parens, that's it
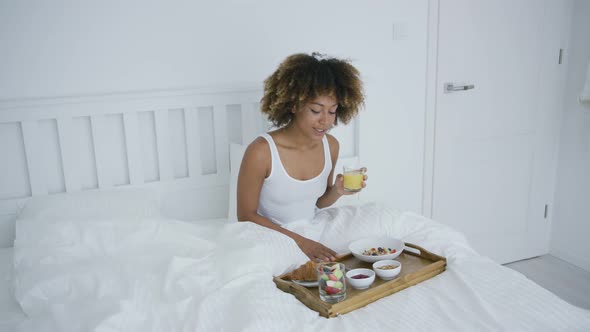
(339, 183)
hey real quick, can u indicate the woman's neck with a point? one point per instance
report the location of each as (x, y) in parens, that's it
(291, 137)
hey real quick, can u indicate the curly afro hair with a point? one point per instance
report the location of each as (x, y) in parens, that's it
(301, 78)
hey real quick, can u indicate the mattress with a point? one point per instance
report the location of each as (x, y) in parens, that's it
(10, 311)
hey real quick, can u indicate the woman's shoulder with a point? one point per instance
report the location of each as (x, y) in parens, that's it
(258, 150)
(332, 140)
(334, 145)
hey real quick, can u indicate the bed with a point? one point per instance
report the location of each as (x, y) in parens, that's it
(138, 234)
(10, 311)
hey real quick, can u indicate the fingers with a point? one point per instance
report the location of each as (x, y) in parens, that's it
(320, 259)
(332, 253)
(339, 184)
(318, 252)
(325, 258)
(365, 178)
(325, 254)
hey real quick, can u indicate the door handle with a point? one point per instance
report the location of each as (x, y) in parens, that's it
(451, 87)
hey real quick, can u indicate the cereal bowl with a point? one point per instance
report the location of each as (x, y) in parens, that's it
(387, 269)
(353, 279)
(372, 249)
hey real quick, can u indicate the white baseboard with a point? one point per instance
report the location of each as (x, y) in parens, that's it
(579, 261)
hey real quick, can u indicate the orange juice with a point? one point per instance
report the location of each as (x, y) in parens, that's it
(353, 180)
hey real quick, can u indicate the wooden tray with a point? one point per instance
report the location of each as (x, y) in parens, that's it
(416, 267)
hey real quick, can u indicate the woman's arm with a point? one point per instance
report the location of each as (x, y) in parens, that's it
(255, 167)
(334, 189)
(332, 194)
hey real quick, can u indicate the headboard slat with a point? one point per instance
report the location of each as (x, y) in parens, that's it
(249, 124)
(34, 154)
(193, 144)
(67, 148)
(130, 124)
(163, 144)
(99, 139)
(221, 139)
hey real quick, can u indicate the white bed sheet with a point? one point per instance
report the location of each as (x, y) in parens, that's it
(167, 275)
(10, 311)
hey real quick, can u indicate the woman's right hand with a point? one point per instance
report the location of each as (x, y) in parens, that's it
(339, 183)
(316, 251)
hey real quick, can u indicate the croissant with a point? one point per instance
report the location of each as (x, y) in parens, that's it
(306, 272)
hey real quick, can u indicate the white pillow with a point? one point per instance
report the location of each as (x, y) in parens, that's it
(113, 203)
(236, 152)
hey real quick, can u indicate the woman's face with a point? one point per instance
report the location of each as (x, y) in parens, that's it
(316, 117)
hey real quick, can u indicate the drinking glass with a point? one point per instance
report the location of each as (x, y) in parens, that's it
(353, 178)
(331, 282)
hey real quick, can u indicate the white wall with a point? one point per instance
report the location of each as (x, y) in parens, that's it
(571, 217)
(62, 48)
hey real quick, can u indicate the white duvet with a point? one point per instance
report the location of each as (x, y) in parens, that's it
(137, 274)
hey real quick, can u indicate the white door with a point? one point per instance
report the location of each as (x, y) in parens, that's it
(494, 145)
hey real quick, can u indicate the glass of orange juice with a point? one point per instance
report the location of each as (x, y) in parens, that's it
(353, 178)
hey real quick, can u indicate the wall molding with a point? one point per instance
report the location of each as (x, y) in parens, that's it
(430, 108)
(111, 96)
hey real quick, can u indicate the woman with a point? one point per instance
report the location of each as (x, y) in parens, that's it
(285, 174)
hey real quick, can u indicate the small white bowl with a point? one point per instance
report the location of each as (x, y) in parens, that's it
(387, 274)
(360, 283)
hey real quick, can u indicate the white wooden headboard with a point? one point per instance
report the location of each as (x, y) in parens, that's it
(174, 141)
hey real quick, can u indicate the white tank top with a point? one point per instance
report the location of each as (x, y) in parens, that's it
(284, 199)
